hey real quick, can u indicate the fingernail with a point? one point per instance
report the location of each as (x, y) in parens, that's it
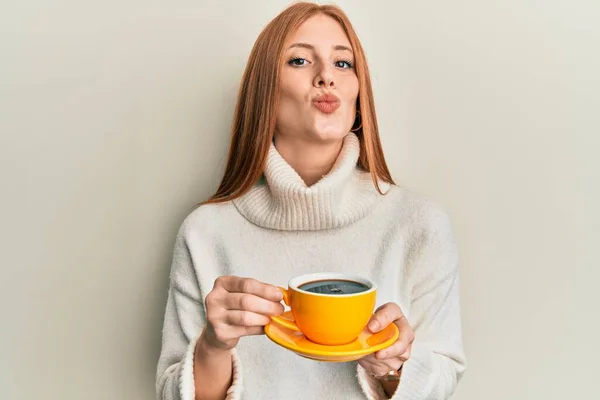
(373, 326)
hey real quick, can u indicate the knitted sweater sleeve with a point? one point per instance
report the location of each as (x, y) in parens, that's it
(437, 360)
(184, 320)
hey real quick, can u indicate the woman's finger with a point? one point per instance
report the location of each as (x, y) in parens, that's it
(368, 358)
(235, 284)
(381, 367)
(407, 334)
(394, 351)
(230, 332)
(406, 355)
(253, 330)
(402, 346)
(372, 366)
(384, 316)
(253, 303)
(246, 318)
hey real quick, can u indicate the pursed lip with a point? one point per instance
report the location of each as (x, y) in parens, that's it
(327, 103)
(327, 98)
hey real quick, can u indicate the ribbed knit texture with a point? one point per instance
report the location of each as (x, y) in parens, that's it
(284, 202)
(282, 229)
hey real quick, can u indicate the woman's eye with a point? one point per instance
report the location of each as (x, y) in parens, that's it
(298, 62)
(343, 64)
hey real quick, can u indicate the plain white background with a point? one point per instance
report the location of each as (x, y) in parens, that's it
(114, 122)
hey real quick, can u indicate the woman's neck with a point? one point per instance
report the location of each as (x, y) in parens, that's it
(311, 160)
(282, 200)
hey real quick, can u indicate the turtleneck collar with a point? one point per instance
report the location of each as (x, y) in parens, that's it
(283, 201)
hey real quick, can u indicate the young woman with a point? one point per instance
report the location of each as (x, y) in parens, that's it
(306, 189)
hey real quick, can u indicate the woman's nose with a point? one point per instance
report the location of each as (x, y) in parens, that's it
(324, 78)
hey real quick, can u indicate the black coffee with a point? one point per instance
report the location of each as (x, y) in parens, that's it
(334, 286)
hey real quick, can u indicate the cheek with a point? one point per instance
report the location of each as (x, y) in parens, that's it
(350, 95)
(292, 90)
(354, 90)
(292, 103)
(286, 103)
(350, 92)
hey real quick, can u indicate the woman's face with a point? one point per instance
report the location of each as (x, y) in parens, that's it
(318, 83)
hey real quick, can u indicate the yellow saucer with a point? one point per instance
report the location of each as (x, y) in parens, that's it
(366, 343)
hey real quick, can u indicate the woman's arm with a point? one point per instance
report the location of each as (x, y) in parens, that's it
(437, 359)
(204, 365)
(187, 368)
(213, 370)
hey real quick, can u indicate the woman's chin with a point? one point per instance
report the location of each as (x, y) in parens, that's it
(329, 135)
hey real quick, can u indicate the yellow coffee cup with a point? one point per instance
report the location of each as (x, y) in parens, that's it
(329, 308)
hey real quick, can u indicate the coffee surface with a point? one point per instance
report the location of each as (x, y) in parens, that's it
(334, 287)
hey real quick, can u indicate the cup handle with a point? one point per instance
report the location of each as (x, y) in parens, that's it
(281, 321)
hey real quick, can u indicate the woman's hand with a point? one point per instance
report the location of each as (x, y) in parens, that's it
(238, 307)
(391, 358)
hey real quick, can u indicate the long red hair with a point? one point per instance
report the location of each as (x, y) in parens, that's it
(256, 110)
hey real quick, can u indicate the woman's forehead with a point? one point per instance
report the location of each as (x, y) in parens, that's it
(320, 31)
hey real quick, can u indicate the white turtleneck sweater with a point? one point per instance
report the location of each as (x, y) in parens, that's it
(282, 229)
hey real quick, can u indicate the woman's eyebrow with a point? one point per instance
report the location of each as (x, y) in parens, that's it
(311, 47)
(342, 47)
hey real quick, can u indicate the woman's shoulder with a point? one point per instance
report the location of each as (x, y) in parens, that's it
(206, 218)
(417, 209)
